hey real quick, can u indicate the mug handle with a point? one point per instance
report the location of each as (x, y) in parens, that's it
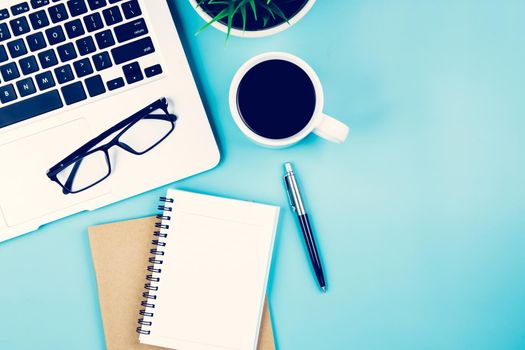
(331, 129)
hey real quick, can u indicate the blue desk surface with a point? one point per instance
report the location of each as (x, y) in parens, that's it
(420, 215)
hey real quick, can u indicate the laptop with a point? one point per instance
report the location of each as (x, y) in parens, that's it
(70, 70)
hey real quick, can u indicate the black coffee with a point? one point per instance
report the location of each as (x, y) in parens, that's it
(276, 99)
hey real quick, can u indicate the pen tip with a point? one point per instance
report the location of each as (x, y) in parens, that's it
(288, 166)
(324, 289)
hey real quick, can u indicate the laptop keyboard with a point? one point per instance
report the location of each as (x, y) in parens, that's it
(57, 53)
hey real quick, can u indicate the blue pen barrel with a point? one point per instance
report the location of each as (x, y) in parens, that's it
(312, 248)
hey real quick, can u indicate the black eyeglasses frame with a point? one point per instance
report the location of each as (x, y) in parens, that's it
(87, 149)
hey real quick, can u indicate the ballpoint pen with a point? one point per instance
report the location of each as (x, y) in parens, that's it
(296, 202)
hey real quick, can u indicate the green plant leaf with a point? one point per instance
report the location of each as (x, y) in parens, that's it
(254, 8)
(273, 9)
(231, 13)
(243, 13)
(218, 17)
(242, 7)
(242, 3)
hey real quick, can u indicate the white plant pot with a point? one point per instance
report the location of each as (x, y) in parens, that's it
(255, 33)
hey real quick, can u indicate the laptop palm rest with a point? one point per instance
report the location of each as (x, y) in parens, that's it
(23, 179)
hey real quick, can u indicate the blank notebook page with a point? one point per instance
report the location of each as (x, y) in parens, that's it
(214, 272)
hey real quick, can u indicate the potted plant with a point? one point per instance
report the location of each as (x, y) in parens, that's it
(251, 18)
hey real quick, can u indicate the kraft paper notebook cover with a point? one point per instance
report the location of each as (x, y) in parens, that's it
(120, 254)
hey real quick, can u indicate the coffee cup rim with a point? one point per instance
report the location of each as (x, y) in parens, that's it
(316, 116)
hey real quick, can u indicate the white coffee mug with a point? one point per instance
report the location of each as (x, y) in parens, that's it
(321, 124)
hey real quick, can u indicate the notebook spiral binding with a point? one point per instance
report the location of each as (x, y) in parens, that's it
(155, 259)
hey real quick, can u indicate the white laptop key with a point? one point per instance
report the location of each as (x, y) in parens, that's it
(118, 59)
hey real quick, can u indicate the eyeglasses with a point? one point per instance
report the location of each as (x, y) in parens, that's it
(90, 164)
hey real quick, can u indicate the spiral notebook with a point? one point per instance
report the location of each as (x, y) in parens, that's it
(120, 253)
(206, 286)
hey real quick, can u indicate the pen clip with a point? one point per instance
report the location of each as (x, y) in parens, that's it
(288, 190)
